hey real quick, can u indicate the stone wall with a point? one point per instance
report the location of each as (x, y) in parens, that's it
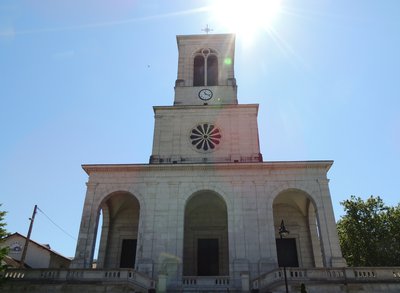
(248, 192)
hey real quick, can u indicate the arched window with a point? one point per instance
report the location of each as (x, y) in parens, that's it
(212, 70)
(198, 74)
(205, 68)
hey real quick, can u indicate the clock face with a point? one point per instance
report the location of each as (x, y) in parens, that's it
(205, 94)
(15, 247)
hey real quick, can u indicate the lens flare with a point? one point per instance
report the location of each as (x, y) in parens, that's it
(228, 61)
(246, 18)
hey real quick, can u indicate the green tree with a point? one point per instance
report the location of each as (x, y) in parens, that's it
(369, 232)
(3, 234)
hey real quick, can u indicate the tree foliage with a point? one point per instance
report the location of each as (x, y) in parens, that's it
(3, 234)
(369, 232)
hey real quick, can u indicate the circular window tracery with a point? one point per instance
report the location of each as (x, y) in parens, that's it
(205, 137)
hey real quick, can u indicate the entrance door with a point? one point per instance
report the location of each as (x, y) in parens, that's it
(287, 252)
(207, 257)
(128, 253)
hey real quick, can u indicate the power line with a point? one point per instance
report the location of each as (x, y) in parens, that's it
(56, 224)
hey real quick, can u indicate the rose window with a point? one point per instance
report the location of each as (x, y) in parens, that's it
(205, 137)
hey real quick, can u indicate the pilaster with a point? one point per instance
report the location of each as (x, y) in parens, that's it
(330, 241)
(87, 232)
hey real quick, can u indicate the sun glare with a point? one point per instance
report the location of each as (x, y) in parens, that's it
(246, 17)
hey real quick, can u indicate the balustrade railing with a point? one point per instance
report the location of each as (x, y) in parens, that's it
(203, 281)
(334, 275)
(81, 275)
(264, 282)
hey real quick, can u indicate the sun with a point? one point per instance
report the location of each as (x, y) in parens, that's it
(246, 17)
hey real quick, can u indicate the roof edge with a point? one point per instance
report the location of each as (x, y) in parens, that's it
(38, 244)
(325, 164)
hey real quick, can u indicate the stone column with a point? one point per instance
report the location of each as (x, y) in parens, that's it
(145, 256)
(175, 242)
(332, 254)
(237, 239)
(261, 220)
(87, 232)
(104, 237)
(271, 259)
(162, 283)
(315, 241)
(245, 278)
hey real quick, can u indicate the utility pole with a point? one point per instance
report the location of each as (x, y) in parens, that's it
(28, 237)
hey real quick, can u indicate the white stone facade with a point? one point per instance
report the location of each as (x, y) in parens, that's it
(257, 197)
(207, 204)
(237, 125)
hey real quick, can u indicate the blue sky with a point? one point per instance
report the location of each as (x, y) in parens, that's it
(79, 79)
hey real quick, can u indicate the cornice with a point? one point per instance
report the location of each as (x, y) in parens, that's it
(230, 37)
(272, 165)
(197, 107)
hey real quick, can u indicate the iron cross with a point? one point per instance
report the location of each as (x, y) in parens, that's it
(207, 29)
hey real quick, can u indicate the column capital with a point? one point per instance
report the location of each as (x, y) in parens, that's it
(91, 185)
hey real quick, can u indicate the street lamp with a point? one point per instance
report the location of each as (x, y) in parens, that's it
(283, 232)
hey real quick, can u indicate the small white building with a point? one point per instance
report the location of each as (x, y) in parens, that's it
(37, 255)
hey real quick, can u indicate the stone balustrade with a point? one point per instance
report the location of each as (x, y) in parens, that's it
(327, 275)
(215, 282)
(266, 282)
(81, 275)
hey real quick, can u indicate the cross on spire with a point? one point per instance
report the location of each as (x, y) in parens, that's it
(207, 29)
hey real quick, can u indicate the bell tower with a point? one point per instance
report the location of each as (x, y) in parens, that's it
(206, 124)
(207, 207)
(206, 70)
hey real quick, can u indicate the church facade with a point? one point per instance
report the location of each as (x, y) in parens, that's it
(206, 214)
(207, 206)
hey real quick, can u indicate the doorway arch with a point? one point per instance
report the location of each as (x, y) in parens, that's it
(302, 247)
(206, 248)
(119, 231)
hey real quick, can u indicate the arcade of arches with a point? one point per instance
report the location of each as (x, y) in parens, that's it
(206, 247)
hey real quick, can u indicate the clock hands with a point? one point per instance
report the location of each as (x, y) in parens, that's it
(205, 94)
